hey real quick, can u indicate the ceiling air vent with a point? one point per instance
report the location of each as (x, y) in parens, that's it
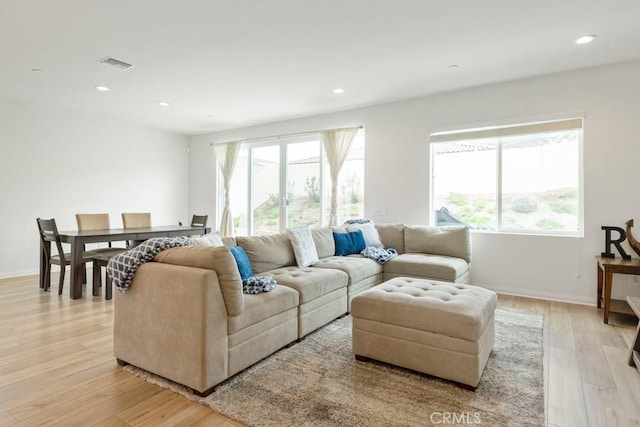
(115, 62)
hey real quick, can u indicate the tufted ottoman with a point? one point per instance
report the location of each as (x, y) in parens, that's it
(437, 328)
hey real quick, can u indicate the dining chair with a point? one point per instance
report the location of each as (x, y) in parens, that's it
(88, 222)
(99, 221)
(135, 220)
(99, 262)
(49, 233)
(199, 221)
(102, 256)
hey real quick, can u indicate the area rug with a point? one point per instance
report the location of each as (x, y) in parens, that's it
(318, 382)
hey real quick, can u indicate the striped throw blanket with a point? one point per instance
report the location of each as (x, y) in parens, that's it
(123, 267)
(379, 255)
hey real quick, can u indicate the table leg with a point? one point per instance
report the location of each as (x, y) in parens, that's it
(599, 276)
(75, 288)
(97, 278)
(608, 279)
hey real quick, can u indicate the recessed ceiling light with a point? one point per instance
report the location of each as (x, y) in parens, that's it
(102, 88)
(586, 39)
(453, 66)
(338, 90)
(36, 70)
(163, 104)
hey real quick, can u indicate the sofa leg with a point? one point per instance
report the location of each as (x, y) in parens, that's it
(465, 386)
(301, 339)
(205, 393)
(362, 358)
(121, 362)
(291, 344)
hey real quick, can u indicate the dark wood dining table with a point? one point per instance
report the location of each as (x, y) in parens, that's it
(77, 240)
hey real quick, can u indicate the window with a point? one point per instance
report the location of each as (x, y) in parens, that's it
(284, 182)
(523, 178)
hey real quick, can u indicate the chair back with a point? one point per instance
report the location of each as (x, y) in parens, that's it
(93, 221)
(49, 231)
(199, 221)
(136, 219)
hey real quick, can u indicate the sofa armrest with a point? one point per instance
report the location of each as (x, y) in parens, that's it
(172, 322)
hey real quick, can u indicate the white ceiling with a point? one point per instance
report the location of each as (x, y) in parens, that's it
(245, 62)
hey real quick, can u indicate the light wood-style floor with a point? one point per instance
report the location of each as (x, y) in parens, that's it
(57, 368)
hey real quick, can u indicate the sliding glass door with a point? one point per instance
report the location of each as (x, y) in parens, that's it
(285, 186)
(304, 175)
(284, 183)
(266, 203)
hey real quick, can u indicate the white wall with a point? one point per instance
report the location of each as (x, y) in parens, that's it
(397, 169)
(55, 163)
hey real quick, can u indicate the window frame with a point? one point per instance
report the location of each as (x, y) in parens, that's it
(491, 127)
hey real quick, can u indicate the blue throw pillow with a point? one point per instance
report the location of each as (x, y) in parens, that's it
(349, 243)
(244, 264)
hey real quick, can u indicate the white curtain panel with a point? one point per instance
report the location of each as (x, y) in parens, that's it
(226, 155)
(336, 143)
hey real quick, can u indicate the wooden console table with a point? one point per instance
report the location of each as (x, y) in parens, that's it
(634, 353)
(607, 267)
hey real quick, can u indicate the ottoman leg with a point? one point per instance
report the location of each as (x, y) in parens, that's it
(362, 358)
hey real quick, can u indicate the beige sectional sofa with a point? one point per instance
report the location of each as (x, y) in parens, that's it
(185, 317)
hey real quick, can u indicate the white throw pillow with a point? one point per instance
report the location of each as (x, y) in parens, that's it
(208, 240)
(370, 233)
(304, 247)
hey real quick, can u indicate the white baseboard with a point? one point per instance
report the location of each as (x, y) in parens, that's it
(550, 296)
(55, 270)
(18, 274)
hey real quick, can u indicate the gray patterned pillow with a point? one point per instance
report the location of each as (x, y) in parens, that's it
(303, 245)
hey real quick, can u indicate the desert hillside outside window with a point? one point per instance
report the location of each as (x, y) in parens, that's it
(284, 182)
(524, 178)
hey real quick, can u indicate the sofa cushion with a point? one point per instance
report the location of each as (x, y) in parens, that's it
(356, 266)
(304, 247)
(428, 266)
(392, 236)
(323, 239)
(310, 283)
(218, 259)
(451, 241)
(262, 306)
(268, 252)
(349, 243)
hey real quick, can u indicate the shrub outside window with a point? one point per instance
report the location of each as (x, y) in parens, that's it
(524, 178)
